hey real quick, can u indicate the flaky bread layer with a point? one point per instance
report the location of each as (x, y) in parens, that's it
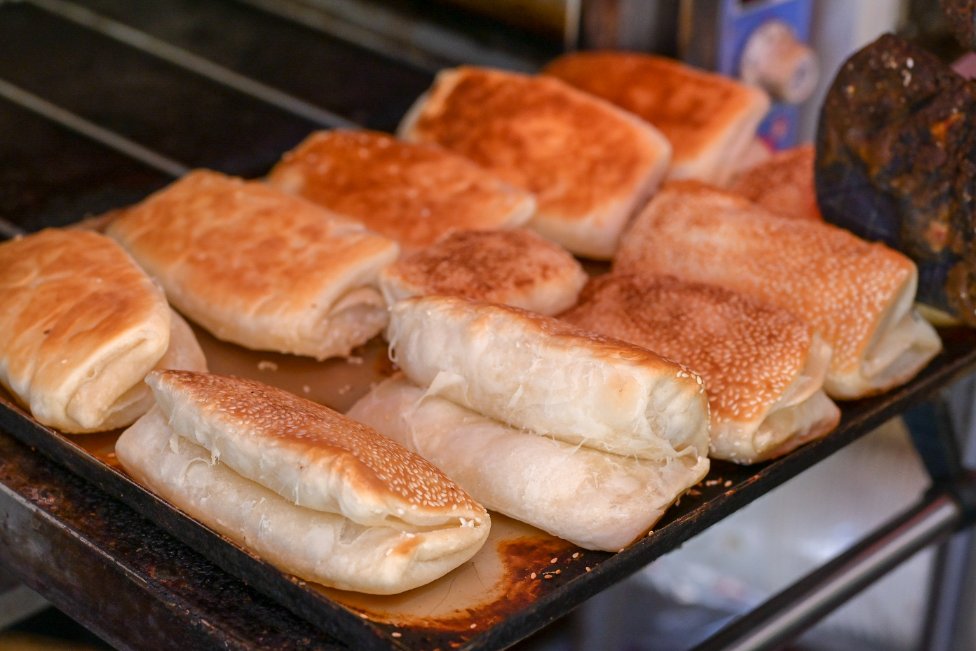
(593, 499)
(543, 375)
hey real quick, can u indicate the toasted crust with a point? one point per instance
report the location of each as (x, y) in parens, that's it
(763, 368)
(589, 164)
(516, 267)
(412, 193)
(782, 184)
(259, 267)
(852, 292)
(708, 118)
(308, 453)
(81, 325)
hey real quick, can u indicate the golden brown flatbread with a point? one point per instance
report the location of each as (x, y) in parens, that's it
(709, 119)
(413, 193)
(589, 164)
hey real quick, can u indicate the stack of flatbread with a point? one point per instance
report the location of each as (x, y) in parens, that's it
(857, 295)
(586, 437)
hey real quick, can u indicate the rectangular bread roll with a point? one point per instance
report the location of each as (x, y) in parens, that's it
(589, 164)
(858, 296)
(413, 193)
(709, 119)
(311, 491)
(541, 374)
(81, 326)
(763, 368)
(515, 267)
(258, 267)
(593, 499)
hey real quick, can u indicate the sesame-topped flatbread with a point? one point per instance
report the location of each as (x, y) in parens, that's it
(311, 491)
(763, 367)
(413, 193)
(515, 267)
(857, 295)
(589, 164)
(709, 119)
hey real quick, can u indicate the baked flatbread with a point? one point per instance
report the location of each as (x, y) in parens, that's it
(763, 368)
(258, 267)
(81, 326)
(709, 119)
(409, 192)
(543, 375)
(593, 499)
(589, 164)
(311, 491)
(782, 184)
(515, 267)
(858, 296)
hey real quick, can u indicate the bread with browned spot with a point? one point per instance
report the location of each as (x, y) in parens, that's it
(782, 184)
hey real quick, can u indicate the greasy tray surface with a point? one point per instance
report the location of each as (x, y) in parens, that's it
(523, 579)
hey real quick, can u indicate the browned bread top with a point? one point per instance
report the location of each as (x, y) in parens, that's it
(413, 193)
(575, 152)
(691, 107)
(747, 352)
(296, 437)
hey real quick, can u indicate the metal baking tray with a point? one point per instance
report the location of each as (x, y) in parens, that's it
(101, 122)
(523, 578)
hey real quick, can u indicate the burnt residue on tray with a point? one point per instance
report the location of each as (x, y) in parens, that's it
(516, 567)
(896, 162)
